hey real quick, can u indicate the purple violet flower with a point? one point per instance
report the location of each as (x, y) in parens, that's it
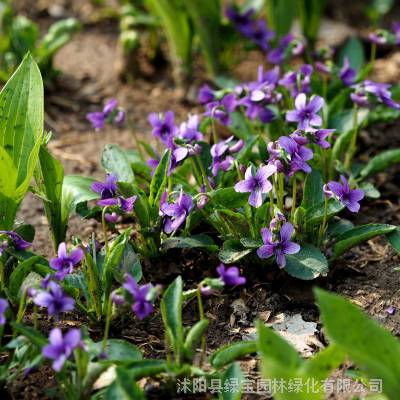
(206, 94)
(278, 247)
(221, 154)
(391, 310)
(64, 263)
(378, 37)
(348, 197)
(142, 305)
(221, 110)
(230, 276)
(3, 308)
(190, 130)
(298, 82)
(305, 113)
(54, 300)
(287, 46)
(163, 126)
(111, 218)
(14, 239)
(396, 32)
(111, 113)
(107, 191)
(175, 214)
(347, 74)
(257, 184)
(61, 347)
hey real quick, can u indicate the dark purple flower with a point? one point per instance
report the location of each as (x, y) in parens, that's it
(97, 119)
(111, 218)
(175, 214)
(259, 33)
(221, 110)
(278, 247)
(111, 113)
(242, 21)
(257, 184)
(61, 347)
(348, 197)
(230, 276)
(347, 74)
(396, 32)
(3, 308)
(317, 136)
(107, 191)
(222, 154)
(141, 295)
(190, 130)
(369, 89)
(391, 310)
(298, 82)
(126, 204)
(305, 113)
(12, 238)
(287, 46)
(206, 94)
(64, 263)
(117, 299)
(54, 300)
(163, 126)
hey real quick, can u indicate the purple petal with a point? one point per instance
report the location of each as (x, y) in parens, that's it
(76, 256)
(315, 104)
(247, 185)
(286, 232)
(291, 248)
(266, 236)
(301, 101)
(255, 198)
(265, 251)
(43, 299)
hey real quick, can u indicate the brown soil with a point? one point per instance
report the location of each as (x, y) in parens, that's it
(365, 275)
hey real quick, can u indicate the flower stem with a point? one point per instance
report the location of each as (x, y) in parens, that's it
(294, 194)
(108, 320)
(322, 228)
(201, 316)
(206, 182)
(353, 142)
(104, 225)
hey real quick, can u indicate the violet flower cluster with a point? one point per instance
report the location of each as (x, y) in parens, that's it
(111, 114)
(175, 214)
(65, 262)
(12, 240)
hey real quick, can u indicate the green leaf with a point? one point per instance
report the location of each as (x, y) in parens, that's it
(359, 234)
(394, 239)
(36, 338)
(21, 131)
(115, 161)
(251, 243)
(193, 337)
(381, 162)
(49, 176)
(353, 49)
(195, 241)
(147, 368)
(232, 374)
(231, 352)
(18, 275)
(315, 214)
(129, 264)
(124, 387)
(206, 18)
(307, 264)
(228, 198)
(280, 15)
(369, 346)
(171, 310)
(121, 351)
(76, 189)
(233, 251)
(370, 190)
(159, 180)
(338, 228)
(313, 190)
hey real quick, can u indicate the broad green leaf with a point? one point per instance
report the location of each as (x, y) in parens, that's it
(194, 336)
(359, 234)
(124, 387)
(394, 239)
(227, 197)
(49, 176)
(310, 13)
(370, 190)
(21, 131)
(344, 121)
(27, 232)
(307, 264)
(121, 351)
(369, 346)
(381, 162)
(176, 25)
(129, 264)
(339, 227)
(206, 19)
(232, 374)
(313, 193)
(18, 275)
(315, 214)
(36, 338)
(159, 180)
(147, 367)
(171, 310)
(251, 243)
(115, 161)
(195, 241)
(233, 251)
(280, 15)
(231, 352)
(76, 189)
(353, 49)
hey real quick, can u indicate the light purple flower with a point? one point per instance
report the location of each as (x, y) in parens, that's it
(189, 130)
(111, 113)
(230, 276)
(54, 300)
(306, 114)
(257, 184)
(163, 126)
(298, 82)
(8, 238)
(378, 37)
(367, 90)
(222, 154)
(61, 347)
(391, 310)
(111, 218)
(175, 214)
(107, 191)
(287, 46)
(341, 191)
(142, 305)
(3, 308)
(221, 109)
(347, 74)
(278, 247)
(64, 263)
